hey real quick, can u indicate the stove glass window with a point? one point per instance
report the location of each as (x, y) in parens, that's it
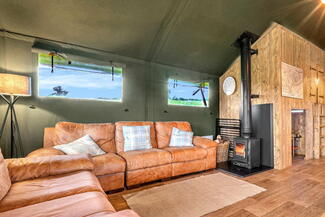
(240, 149)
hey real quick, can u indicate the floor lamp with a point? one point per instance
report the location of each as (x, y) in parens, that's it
(12, 87)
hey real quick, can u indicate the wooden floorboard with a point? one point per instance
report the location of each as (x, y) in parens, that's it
(295, 191)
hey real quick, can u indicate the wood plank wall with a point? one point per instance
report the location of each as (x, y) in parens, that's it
(321, 122)
(277, 45)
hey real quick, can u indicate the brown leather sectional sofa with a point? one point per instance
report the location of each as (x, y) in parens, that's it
(117, 168)
(62, 186)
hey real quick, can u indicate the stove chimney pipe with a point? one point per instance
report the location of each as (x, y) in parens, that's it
(244, 43)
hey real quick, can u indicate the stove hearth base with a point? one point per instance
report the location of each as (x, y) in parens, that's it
(228, 167)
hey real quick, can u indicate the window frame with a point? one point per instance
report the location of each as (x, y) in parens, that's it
(190, 106)
(82, 60)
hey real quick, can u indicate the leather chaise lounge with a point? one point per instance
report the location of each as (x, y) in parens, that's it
(117, 168)
(62, 186)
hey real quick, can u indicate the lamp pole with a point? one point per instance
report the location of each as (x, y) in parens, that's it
(14, 127)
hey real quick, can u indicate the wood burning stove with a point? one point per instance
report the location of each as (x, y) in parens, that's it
(247, 148)
(247, 152)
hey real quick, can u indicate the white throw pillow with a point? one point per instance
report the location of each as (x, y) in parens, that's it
(136, 138)
(84, 145)
(180, 138)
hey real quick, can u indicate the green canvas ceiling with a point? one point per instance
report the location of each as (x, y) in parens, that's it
(191, 34)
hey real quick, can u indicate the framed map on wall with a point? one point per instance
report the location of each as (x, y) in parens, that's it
(292, 81)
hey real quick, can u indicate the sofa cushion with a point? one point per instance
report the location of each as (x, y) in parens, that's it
(4, 178)
(39, 190)
(102, 134)
(83, 145)
(45, 152)
(181, 138)
(146, 158)
(119, 138)
(75, 205)
(164, 131)
(182, 154)
(108, 164)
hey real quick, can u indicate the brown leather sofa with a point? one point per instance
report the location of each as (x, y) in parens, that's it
(53, 186)
(136, 167)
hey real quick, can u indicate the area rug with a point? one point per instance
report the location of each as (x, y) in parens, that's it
(191, 198)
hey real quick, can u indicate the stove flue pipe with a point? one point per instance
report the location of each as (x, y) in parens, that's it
(244, 43)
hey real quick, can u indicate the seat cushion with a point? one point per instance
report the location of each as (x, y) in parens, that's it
(72, 206)
(4, 178)
(164, 131)
(146, 158)
(182, 154)
(102, 134)
(108, 164)
(119, 138)
(39, 190)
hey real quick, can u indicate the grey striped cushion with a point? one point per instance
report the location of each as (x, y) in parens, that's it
(136, 138)
(180, 138)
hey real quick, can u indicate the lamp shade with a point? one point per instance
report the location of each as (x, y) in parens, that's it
(18, 85)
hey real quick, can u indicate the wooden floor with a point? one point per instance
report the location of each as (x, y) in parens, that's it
(295, 191)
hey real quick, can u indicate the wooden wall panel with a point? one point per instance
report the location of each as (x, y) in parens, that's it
(321, 77)
(275, 69)
(275, 65)
(322, 130)
(229, 106)
(278, 45)
(312, 85)
(321, 87)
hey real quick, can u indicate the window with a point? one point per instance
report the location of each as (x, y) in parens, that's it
(188, 93)
(78, 80)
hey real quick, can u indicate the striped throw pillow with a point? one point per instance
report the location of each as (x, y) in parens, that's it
(180, 138)
(136, 138)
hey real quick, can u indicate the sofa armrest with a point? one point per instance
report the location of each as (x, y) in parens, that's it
(21, 169)
(45, 152)
(204, 142)
(123, 213)
(49, 137)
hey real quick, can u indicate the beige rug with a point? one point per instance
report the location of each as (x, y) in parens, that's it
(191, 198)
